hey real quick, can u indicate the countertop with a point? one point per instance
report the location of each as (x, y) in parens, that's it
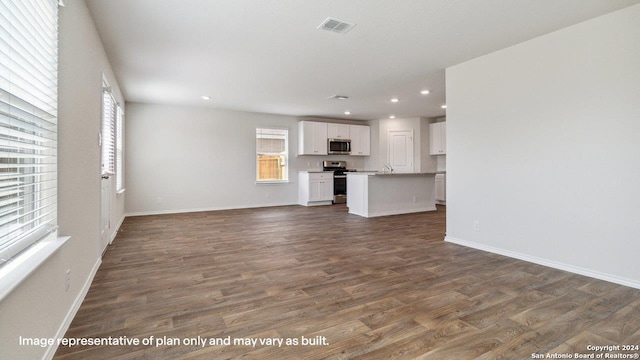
(374, 172)
(380, 173)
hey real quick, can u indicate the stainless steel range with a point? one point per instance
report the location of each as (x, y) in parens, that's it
(340, 170)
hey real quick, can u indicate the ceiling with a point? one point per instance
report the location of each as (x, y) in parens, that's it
(268, 55)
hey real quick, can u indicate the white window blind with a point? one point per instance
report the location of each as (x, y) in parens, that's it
(108, 130)
(119, 146)
(28, 122)
(271, 155)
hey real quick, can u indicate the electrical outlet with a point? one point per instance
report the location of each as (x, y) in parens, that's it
(67, 280)
(415, 199)
(476, 225)
(267, 195)
(308, 164)
(160, 200)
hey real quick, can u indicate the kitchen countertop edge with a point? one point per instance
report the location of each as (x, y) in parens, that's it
(377, 173)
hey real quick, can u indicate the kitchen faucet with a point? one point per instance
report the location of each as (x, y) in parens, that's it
(388, 167)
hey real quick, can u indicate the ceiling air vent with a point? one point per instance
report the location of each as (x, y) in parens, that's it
(335, 25)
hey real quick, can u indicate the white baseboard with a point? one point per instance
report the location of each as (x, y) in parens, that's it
(217, 208)
(317, 203)
(51, 351)
(115, 232)
(399, 212)
(545, 262)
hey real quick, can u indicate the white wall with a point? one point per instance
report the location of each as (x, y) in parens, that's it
(40, 307)
(422, 161)
(543, 149)
(189, 159)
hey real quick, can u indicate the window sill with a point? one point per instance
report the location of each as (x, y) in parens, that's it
(274, 182)
(14, 272)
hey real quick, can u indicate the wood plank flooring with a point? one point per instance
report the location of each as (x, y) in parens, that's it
(381, 288)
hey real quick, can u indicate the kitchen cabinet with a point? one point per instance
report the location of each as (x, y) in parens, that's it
(438, 138)
(315, 188)
(360, 140)
(338, 131)
(373, 194)
(312, 138)
(441, 190)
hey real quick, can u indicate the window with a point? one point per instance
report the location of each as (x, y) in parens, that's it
(119, 145)
(108, 135)
(112, 136)
(28, 123)
(271, 155)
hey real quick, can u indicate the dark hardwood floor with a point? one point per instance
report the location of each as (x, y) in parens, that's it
(377, 288)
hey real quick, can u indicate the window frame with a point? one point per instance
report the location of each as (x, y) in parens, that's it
(29, 113)
(285, 154)
(28, 122)
(119, 152)
(108, 130)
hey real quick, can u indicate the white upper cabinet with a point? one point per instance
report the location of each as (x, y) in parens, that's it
(360, 140)
(312, 138)
(338, 131)
(438, 138)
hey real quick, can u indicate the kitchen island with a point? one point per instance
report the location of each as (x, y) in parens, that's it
(374, 194)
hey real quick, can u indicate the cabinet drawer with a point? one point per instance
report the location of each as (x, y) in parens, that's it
(320, 176)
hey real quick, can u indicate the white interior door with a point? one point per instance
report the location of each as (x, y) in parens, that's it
(401, 150)
(105, 213)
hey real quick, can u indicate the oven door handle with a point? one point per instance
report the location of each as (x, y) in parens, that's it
(340, 176)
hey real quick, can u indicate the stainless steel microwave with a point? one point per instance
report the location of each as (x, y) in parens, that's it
(339, 146)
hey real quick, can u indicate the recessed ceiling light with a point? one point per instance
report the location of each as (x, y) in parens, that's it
(347, 112)
(444, 106)
(392, 117)
(338, 97)
(395, 100)
(205, 97)
(424, 92)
